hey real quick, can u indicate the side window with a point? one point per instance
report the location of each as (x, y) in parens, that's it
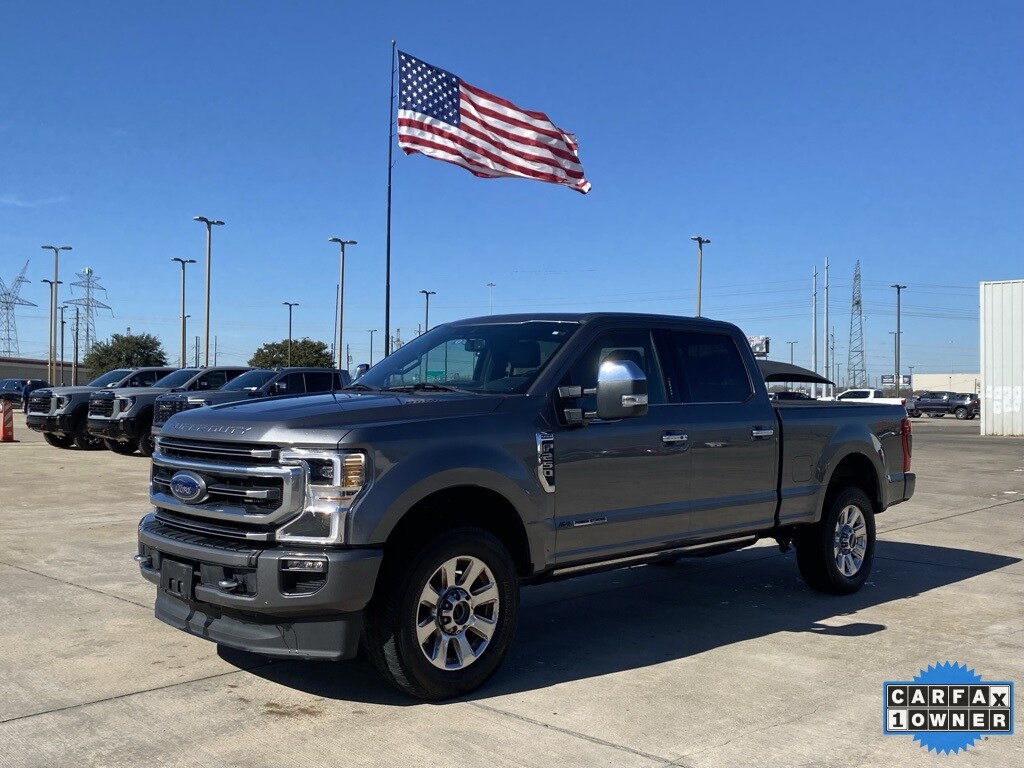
(233, 374)
(621, 345)
(319, 381)
(710, 368)
(143, 379)
(293, 384)
(878, 393)
(212, 380)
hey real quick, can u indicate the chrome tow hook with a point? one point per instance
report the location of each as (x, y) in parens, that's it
(144, 560)
(228, 585)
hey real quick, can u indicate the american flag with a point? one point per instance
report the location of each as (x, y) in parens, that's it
(444, 117)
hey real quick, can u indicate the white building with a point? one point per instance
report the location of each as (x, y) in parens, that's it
(1002, 357)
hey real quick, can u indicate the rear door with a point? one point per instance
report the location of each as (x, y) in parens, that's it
(321, 381)
(731, 434)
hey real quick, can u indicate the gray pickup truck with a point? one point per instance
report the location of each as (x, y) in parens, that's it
(123, 417)
(406, 511)
(60, 412)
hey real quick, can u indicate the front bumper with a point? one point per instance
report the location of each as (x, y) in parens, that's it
(60, 424)
(114, 429)
(267, 613)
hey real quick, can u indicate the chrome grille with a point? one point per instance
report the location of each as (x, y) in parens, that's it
(101, 406)
(245, 486)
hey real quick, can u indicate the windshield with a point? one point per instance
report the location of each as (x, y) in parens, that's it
(110, 377)
(249, 381)
(177, 379)
(494, 358)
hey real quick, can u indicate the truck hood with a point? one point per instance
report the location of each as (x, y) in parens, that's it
(137, 391)
(80, 390)
(215, 396)
(319, 419)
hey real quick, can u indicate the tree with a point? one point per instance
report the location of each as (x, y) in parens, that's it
(128, 350)
(305, 351)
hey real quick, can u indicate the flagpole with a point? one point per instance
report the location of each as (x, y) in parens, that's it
(387, 250)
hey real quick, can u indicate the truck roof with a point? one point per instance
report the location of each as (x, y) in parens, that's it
(586, 318)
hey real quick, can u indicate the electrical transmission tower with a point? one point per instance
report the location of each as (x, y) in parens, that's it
(856, 370)
(9, 299)
(90, 284)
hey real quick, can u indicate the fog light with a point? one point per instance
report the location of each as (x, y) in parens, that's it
(304, 565)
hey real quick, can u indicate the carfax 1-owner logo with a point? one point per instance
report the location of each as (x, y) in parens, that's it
(947, 707)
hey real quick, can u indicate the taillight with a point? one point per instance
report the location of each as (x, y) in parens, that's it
(907, 443)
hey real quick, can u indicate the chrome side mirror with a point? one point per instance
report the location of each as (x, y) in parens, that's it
(621, 390)
(360, 370)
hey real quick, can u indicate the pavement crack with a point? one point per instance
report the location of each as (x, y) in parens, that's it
(576, 734)
(950, 517)
(73, 584)
(768, 727)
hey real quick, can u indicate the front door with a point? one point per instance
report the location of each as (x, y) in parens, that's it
(621, 485)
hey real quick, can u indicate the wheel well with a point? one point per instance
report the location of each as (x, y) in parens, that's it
(855, 470)
(467, 505)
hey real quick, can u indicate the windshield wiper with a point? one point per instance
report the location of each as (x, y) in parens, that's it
(360, 387)
(420, 386)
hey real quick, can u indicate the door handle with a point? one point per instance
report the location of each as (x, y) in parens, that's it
(757, 433)
(673, 438)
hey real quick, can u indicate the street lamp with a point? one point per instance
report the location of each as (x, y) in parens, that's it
(51, 361)
(898, 288)
(791, 345)
(51, 365)
(210, 224)
(426, 316)
(700, 241)
(291, 305)
(338, 348)
(490, 298)
(183, 262)
(371, 332)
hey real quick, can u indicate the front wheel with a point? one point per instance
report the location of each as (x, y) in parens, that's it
(58, 441)
(145, 443)
(440, 624)
(125, 449)
(836, 554)
(915, 414)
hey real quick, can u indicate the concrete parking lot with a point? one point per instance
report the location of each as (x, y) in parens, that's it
(728, 661)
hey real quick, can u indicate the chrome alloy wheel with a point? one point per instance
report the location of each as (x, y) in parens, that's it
(850, 540)
(457, 613)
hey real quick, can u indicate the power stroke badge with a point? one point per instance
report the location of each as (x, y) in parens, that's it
(947, 707)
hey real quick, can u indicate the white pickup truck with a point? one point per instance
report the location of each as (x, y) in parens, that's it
(873, 396)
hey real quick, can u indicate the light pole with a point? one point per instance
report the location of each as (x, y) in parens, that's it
(210, 224)
(911, 379)
(371, 332)
(51, 364)
(898, 288)
(183, 262)
(426, 316)
(700, 241)
(338, 346)
(291, 305)
(490, 298)
(62, 345)
(791, 345)
(51, 361)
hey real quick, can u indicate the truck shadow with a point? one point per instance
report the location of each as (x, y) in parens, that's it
(642, 616)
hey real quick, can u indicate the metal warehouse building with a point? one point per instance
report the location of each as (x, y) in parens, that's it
(1002, 357)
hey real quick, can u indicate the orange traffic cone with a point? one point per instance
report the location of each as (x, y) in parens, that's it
(7, 427)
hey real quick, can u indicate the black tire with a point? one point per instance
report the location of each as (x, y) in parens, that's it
(83, 440)
(961, 414)
(125, 449)
(390, 626)
(145, 442)
(915, 414)
(816, 545)
(58, 441)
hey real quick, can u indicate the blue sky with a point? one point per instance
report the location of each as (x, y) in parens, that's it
(785, 132)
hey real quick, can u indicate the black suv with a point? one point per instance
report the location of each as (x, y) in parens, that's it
(259, 382)
(938, 404)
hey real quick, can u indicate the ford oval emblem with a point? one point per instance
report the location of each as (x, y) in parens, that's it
(188, 487)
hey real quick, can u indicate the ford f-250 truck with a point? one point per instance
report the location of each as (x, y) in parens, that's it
(405, 511)
(60, 412)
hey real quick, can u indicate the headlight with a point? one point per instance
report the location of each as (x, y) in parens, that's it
(124, 404)
(62, 402)
(333, 481)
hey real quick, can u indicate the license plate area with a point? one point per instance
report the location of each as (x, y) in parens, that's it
(176, 578)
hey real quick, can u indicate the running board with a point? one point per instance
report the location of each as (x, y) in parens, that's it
(706, 549)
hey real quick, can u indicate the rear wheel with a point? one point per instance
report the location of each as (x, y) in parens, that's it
(441, 622)
(961, 413)
(125, 449)
(836, 554)
(58, 441)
